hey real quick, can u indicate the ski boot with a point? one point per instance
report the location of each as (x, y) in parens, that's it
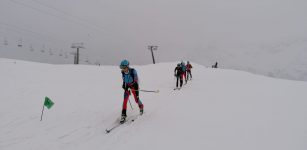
(123, 117)
(141, 111)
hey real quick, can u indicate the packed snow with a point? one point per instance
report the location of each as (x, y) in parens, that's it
(218, 109)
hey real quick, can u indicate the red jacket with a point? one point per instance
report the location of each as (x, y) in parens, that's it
(189, 67)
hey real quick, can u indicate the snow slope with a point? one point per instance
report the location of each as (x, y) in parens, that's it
(219, 109)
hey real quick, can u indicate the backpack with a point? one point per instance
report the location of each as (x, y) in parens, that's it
(179, 70)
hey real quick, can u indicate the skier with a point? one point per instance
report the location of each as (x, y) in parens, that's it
(189, 67)
(184, 71)
(178, 74)
(215, 65)
(130, 81)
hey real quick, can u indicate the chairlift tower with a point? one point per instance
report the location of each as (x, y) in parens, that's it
(43, 49)
(31, 48)
(61, 53)
(153, 48)
(77, 46)
(5, 42)
(50, 52)
(19, 43)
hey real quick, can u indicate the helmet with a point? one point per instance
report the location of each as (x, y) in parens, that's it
(123, 64)
(178, 65)
(188, 62)
(182, 63)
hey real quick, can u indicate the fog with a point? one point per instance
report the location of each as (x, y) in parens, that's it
(268, 37)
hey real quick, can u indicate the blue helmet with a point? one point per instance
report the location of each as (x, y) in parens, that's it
(123, 64)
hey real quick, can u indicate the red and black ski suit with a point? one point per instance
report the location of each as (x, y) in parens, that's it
(189, 67)
(130, 81)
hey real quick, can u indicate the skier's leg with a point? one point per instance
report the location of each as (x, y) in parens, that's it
(185, 76)
(188, 76)
(126, 98)
(124, 109)
(181, 80)
(177, 81)
(137, 99)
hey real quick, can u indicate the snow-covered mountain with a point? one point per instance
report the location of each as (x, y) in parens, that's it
(219, 109)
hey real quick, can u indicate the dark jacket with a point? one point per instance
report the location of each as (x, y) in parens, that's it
(178, 71)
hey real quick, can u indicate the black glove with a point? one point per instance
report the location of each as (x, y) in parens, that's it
(125, 87)
(134, 85)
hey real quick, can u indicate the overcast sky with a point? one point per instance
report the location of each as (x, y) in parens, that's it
(183, 29)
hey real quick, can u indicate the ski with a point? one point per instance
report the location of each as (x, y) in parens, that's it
(130, 119)
(177, 88)
(109, 130)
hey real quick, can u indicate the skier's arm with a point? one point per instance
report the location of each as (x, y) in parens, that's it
(135, 84)
(136, 78)
(124, 85)
(175, 71)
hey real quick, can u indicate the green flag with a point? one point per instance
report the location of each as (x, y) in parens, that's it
(48, 103)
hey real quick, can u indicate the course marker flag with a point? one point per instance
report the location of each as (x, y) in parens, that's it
(48, 103)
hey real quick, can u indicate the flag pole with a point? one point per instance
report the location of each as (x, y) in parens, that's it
(42, 112)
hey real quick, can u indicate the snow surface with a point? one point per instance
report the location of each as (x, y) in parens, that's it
(219, 109)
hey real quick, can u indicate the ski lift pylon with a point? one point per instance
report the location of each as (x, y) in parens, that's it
(5, 42)
(19, 43)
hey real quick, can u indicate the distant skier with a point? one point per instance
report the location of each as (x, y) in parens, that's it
(130, 81)
(189, 67)
(178, 74)
(215, 65)
(184, 71)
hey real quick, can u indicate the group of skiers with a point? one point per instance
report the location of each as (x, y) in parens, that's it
(181, 71)
(131, 85)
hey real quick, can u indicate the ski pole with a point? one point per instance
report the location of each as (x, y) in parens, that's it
(129, 92)
(156, 91)
(130, 104)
